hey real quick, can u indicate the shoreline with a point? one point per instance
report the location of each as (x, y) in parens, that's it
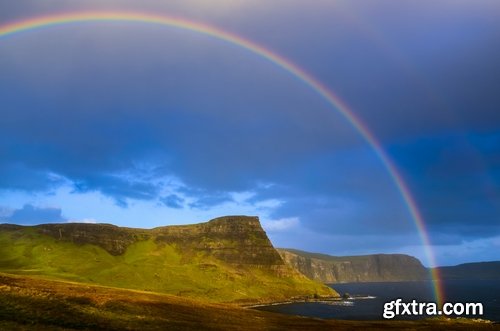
(294, 300)
(308, 300)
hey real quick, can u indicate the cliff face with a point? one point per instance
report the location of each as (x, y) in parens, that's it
(368, 268)
(226, 259)
(111, 238)
(232, 239)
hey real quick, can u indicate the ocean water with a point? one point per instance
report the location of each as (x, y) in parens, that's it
(369, 299)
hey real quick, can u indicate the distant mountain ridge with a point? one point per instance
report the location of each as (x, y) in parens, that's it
(348, 269)
(226, 259)
(471, 271)
(380, 268)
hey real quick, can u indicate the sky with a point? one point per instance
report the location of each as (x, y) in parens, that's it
(142, 126)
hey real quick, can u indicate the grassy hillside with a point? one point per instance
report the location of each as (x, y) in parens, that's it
(30, 303)
(158, 260)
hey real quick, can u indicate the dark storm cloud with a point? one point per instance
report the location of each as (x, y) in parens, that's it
(456, 181)
(415, 78)
(348, 217)
(340, 196)
(241, 125)
(30, 214)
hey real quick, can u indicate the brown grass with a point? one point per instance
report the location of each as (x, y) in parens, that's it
(29, 303)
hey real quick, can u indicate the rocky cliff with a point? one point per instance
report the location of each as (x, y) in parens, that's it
(235, 240)
(232, 239)
(226, 259)
(367, 268)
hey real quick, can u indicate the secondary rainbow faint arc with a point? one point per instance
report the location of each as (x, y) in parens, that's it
(181, 23)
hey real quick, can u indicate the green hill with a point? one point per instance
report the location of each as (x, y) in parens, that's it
(229, 259)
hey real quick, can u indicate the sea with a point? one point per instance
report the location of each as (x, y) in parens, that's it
(367, 299)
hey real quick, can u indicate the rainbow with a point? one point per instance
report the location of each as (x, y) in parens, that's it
(15, 27)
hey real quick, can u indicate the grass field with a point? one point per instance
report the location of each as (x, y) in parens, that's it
(149, 266)
(32, 303)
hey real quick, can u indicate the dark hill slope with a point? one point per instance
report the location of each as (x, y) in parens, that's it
(471, 271)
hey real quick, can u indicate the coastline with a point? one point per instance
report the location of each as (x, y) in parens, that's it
(294, 300)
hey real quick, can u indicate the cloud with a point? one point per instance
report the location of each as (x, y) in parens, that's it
(455, 178)
(30, 214)
(473, 250)
(119, 188)
(244, 120)
(85, 220)
(267, 204)
(172, 201)
(206, 201)
(116, 109)
(5, 212)
(18, 176)
(282, 224)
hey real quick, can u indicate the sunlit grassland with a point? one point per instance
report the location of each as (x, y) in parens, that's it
(148, 266)
(33, 303)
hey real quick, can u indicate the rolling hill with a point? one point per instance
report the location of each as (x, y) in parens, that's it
(228, 259)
